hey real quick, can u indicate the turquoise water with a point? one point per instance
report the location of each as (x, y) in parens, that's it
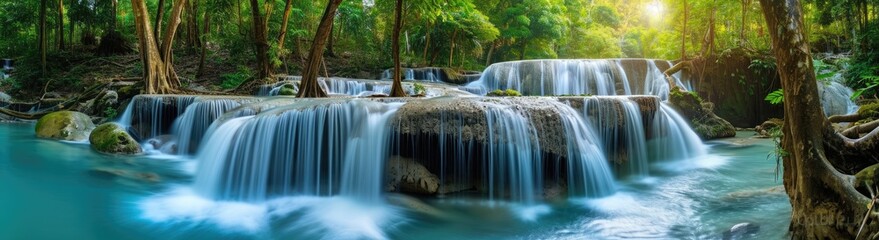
(52, 190)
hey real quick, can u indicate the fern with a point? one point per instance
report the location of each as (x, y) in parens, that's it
(776, 97)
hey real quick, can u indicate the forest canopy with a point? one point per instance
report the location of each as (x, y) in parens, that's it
(463, 34)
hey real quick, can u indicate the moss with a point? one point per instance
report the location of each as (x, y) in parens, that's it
(64, 125)
(869, 110)
(867, 177)
(504, 93)
(287, 90)
(111, 138)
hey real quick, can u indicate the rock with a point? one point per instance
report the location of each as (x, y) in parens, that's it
(5, 97)
(867, 177)
(408, 176)
(65, 125)
(701, 115)
(106, 104)
(765, 129)
(288, 90)
(113, 139)
(164, 143)
(745, 230)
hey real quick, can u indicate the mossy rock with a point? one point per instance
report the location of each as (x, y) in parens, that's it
(113, 139)
(869, 111)
(867, 177)
(688, 103)
(504, 93)
(287, 90)
(65, 125)
(701, 115)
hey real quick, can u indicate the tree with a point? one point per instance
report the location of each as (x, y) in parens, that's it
(158, 71)
(260, 38)
(397, 86)
(42, 39)
(818, 161)
(309, 87)
(60, 24)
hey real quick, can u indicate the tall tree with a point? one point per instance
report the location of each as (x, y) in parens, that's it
(684, 31)
(819, 161)
(260, 38)
(309, 86)
(397, 86)
(288, 7)
(42, 37)
(61, 24)
(158, 71)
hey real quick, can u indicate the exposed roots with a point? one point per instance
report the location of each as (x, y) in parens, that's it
(845, 118)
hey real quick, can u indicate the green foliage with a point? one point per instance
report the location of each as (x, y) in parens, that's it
(775, 97)
(778, 153)
(110, 113)
(419, 89)
(233, 80)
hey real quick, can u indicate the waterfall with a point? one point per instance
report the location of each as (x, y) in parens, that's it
(577, 77)
(504, 147)
(313, 147)
(836, 97)
(672, 138)
(619, 125)
(191, 127)
(149, 116)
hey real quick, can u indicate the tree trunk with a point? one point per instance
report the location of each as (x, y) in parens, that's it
(288, 8)
(745, 5)
(61, 24)
(42, 37)
(397, 86)
(160, 14)
(309, 86)
(331, 52)
(260, 39)
(684, 32)
(825, 203)
(427, 41)
(113, 10)
(204, 43)
(158, 72)
(452, 47)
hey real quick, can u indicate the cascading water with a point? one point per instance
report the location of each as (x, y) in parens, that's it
(672, 137)
(150, 116)
(836, 97)
(505, 138)
(191, 127)
(619, 125)
(577, 77)
(312, 148)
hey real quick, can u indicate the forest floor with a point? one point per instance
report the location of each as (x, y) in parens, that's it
(76, 69)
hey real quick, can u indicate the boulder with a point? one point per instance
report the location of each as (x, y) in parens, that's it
(288, 90)
(701, 115)
(113, 139)
(65, 125)
(407, 176)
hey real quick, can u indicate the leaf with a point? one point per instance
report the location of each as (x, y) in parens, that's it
(775, 97)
